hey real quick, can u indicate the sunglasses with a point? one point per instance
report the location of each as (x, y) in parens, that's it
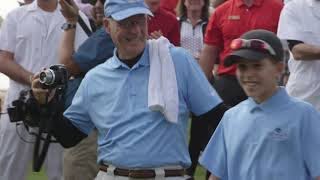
(255, 44)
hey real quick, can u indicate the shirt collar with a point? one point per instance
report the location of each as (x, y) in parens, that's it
(276, 101)
(34, 6)
(255, 3)
(143, 61)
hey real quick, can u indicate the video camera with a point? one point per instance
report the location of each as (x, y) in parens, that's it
(26, 109)
(53, 77)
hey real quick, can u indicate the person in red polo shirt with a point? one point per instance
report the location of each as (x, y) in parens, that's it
(163, 23)
(169, 5)
(229, 21)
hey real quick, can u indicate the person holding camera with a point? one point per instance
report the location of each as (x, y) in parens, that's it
(138, 136)
(29, 38)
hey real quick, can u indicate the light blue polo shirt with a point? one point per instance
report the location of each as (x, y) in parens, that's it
(278, 139)
(113, 98)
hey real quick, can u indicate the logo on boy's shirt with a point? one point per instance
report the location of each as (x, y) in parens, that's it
(279, 134)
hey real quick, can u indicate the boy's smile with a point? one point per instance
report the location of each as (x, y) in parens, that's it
(259, 78)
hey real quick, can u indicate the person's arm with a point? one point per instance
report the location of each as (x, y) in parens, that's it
(212, 177)
(306, 52)
(66, 133)
(66, 50)
(208, 56)
(63, 130)
(13, 70)
(215, 115)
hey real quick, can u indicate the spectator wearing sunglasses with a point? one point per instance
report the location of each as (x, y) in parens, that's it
(301, 30)
(229, 21)
(270, 135)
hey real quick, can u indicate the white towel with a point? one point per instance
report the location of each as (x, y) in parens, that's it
(162, 88)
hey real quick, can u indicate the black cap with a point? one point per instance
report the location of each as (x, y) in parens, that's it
(254, 54)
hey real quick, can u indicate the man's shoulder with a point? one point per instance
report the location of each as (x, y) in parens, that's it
(17, 12)
(179, 53)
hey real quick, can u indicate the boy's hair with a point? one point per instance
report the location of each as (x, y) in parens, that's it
(256, 45)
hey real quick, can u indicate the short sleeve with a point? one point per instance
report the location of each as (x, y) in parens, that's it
(95, 50)
(290, 25)
(213, 35)
(78, 111)
(310, 141)
(201, 96)
(214, 157)
(8, 33)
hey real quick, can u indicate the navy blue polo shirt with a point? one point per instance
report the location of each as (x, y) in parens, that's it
(95, 50)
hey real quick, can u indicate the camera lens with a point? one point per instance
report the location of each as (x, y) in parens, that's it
(47, 77)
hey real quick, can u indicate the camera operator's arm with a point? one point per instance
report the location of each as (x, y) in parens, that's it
(67, 47)
(13, 70)
(63, 130)
(66, 133)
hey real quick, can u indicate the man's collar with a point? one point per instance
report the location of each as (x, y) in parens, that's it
(143, 61)
(33, 6)
(240, 3)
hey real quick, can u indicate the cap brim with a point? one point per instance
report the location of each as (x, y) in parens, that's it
(244, 54)
(130, 12)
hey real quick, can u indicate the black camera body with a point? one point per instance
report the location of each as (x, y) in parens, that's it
(55, 76)
(25, 108)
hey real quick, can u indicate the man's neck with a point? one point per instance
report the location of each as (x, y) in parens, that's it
(248, 2)
(48, 5)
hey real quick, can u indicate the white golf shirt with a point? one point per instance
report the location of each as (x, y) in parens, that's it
(300, 20)
(33, 36)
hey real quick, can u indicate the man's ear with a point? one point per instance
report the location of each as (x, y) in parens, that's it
(106, 24)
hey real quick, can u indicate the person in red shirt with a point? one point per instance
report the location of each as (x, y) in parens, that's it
(169, 5)
(163, 23)
(229, 21)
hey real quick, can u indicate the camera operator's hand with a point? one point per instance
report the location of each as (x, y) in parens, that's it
(69, 10)
(43, 96)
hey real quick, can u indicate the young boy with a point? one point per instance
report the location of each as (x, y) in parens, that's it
(269, 136)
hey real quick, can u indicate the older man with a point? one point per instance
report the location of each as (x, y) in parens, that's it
(133, 140)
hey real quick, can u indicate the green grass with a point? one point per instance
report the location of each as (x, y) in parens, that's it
(37, 175)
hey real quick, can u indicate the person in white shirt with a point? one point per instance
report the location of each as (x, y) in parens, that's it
(29, 41)
(299, 24)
